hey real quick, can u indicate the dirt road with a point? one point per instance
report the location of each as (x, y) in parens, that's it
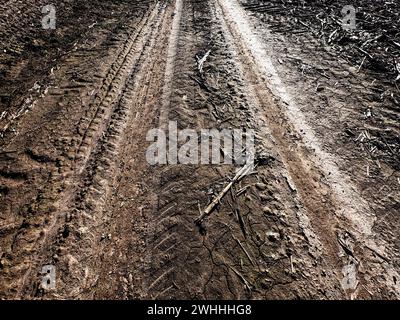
(317, 219)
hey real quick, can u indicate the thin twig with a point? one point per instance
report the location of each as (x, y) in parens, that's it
(245, 251)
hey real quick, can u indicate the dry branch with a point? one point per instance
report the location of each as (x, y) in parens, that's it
(239, 175)
(200, 62)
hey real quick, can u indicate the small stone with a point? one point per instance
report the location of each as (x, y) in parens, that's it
(261, 186)
(265, 271)
(268, 211)
(68, 217)
(264, 197)
(273, 236)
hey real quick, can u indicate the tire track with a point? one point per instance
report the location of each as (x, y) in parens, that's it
(333, 212)
(214, 263)
(171, 55)
(93, 125)
(128, 258)
(88, 214)
(110, 115)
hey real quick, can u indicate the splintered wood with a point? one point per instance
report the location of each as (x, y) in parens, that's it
(210, 208)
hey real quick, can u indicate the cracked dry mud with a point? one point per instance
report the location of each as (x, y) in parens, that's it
(317, 220)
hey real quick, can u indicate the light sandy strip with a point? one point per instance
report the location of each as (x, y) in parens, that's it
(169, 69)
(352, 206)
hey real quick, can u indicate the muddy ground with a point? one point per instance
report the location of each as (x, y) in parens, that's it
(316, 219)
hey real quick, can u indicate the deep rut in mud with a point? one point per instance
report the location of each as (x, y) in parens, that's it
(78, 193)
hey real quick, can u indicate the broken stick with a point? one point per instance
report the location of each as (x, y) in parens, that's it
(200, 62)
(244, 250)
(241, 277)
(239, 175)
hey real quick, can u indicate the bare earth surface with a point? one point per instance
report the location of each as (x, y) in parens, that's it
(319, 217)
